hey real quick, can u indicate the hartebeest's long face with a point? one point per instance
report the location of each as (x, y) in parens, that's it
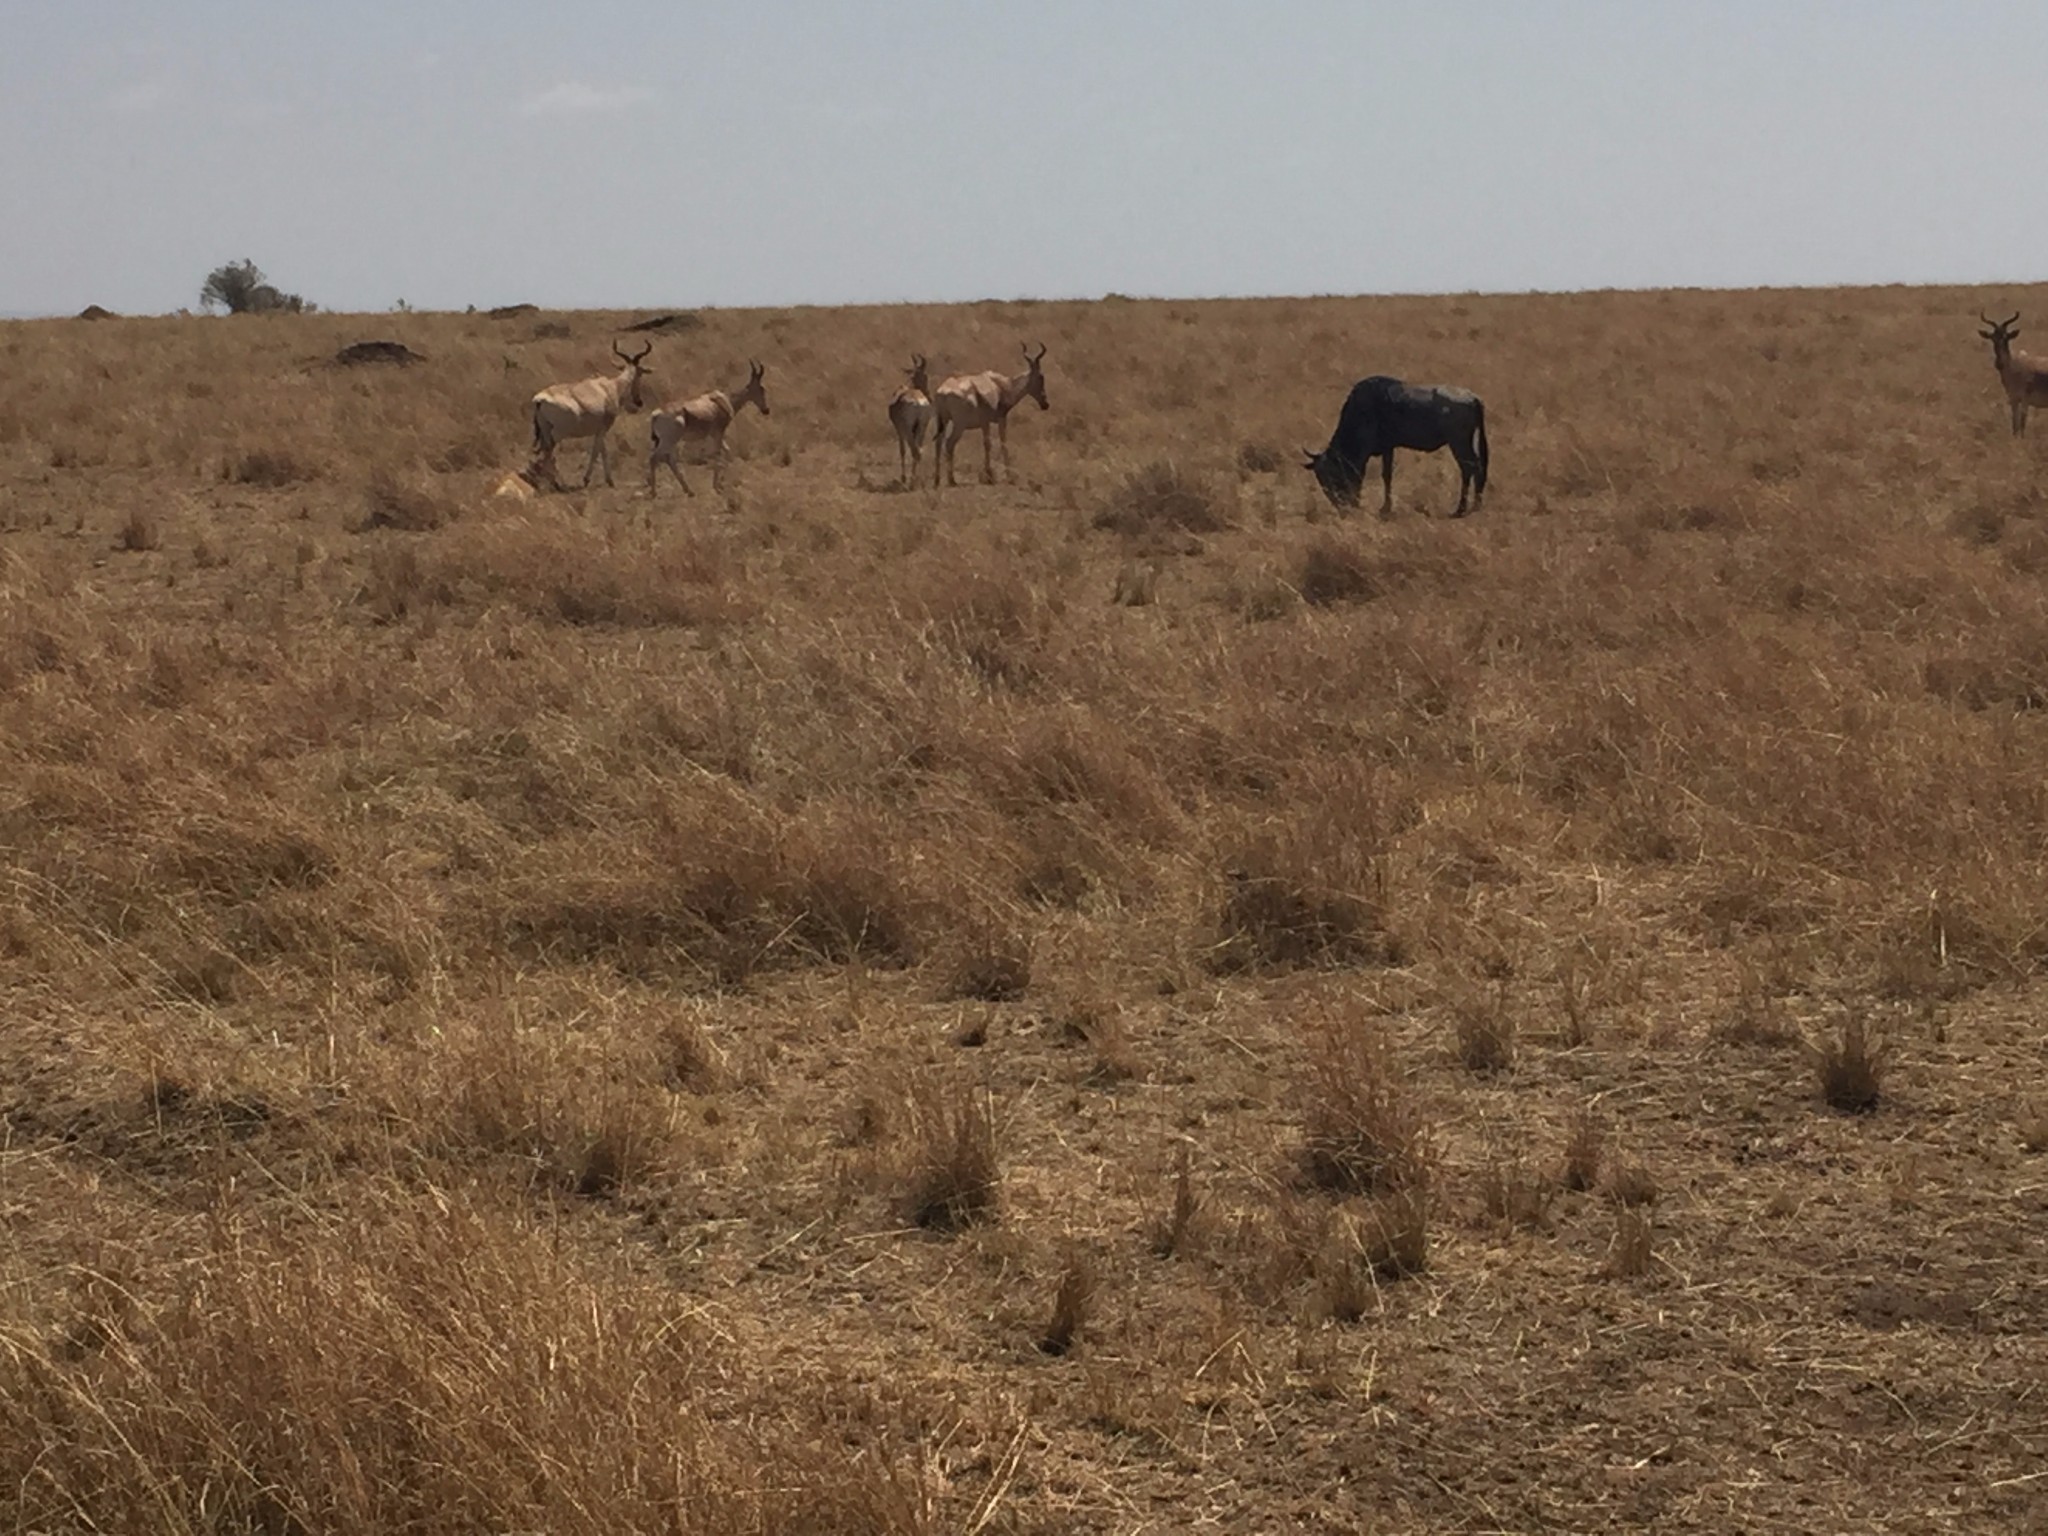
(1034, 383)
(2001, 334)
(754, 391)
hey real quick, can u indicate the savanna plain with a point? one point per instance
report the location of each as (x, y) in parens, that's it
(1121, 1000)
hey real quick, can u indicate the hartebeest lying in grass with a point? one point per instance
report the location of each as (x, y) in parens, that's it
(1382, 414)
(2025, 377)
(910, 413)
(701, 424)
(587, 408)
(984, 400)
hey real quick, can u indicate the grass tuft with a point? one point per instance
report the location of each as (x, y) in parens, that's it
(1851, 1067)
(1363, 1129)
(951, 1179)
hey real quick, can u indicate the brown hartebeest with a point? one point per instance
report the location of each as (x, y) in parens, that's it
(701, 422)
(587, 408)
(2025, 377)
(910, 413)
(984, 400)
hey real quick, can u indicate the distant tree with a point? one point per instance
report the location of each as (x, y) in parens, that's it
(240, 288)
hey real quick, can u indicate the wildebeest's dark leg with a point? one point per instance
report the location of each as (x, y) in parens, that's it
(1387, 483)
(1467, 467)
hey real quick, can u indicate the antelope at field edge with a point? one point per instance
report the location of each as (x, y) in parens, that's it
(587, 408)
(701, 422)
(910, 413)
(970, 400)
(1382, 414)
(2025, 377)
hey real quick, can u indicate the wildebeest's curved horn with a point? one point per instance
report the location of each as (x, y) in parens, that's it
(1309, 457)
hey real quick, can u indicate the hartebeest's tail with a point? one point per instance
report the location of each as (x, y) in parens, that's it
(540, 443)
(1479, 439)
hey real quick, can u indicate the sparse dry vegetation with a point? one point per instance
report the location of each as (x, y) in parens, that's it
(564, 1014)
(1851, 1065)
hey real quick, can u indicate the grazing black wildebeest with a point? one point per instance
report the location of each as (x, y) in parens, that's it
(1382, 414)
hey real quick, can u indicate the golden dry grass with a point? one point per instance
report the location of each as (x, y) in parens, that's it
(566, 1013)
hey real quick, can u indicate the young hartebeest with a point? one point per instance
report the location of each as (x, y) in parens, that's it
(587, 408)
(2025, 377)
(984, 400)
(701, 422)
(910, 413)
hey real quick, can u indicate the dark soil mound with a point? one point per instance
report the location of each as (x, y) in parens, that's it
(360, 352)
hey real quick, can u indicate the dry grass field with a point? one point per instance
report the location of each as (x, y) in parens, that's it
(1118, 1001)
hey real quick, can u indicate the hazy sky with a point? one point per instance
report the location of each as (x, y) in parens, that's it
(580, 152)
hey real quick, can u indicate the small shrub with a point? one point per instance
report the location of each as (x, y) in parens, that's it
(389, 502)
(1161, 498)
(1851, 1067)
(1485, 1032)
(269, 469)
(398, 584)
(952, 1179)
(1362, 1130)
(1175, 1233)
(691, 1060)
(992, 965)
(1116, 1060)
(1632, 1184)
(2033, 1127)
(1290, 901)
(1337, 570)
(1585, 1148)
(994, 621)
(1630, 1250)
(1515, 1196)
(139, 531)
(1070, 1305)
(1260, 458)
(1137, 584)
(1369, 1242)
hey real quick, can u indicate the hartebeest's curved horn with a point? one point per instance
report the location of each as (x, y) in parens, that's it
(632, 358)
(755, 367)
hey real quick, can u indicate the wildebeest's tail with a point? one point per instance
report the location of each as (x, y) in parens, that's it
(1479, 438)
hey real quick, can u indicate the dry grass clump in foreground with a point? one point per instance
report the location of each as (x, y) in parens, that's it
(950, 1176)
(1851, 1066)
(1363, 1130)
(324, 1374)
